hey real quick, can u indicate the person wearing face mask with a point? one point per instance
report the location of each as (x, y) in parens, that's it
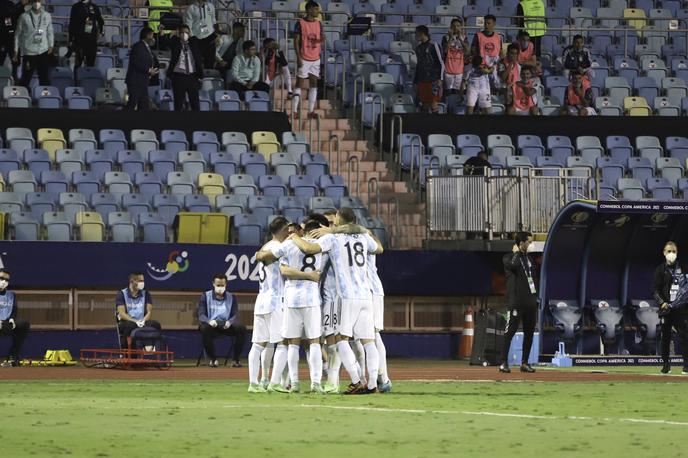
(665, 286)
(521, 294)
(217, 315)
(9, 324)
(202, 20)
(34, 39)
(143, 65)
(187, 69)
(134, 308)
(85, 27)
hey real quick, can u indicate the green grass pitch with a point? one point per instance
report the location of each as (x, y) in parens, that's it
(219, 419)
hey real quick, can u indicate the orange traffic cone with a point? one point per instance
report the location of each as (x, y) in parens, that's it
(466, 343)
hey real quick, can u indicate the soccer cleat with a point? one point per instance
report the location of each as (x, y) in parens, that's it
(355, 388)
(385, 387)
(264, 383)
(504, 368)
(277, 388)
(527, 369)
(666, 369)
(295, 387)
(317, 388)
(330, 388)
(257, 388)
(370, 391)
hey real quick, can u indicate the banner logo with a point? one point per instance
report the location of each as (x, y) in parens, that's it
(176, 262)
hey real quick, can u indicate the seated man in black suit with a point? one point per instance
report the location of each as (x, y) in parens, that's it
(186, 69)
(142, 67)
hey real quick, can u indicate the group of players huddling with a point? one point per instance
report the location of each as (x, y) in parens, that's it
(319, 287)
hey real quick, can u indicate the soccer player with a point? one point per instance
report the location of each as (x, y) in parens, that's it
(488, 45)
(384, 383)
(308, 41)
(454, 48)
(521, 98)
(348, 254)
(479, 87)
(267, 313)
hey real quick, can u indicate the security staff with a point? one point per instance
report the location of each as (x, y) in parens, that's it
(665, 285)
(202, 20)
(134, 308)
(9, 325)
(532, 20)
(217, 315)
(187, 69)
(85, 26)
(157, 8)
(521, 294)
(35, 40)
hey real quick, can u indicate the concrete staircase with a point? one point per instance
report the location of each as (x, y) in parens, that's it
(406, 232)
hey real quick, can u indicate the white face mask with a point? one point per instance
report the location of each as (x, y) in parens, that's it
(220, 289)
(4, 284)
(185, 36)
(140, 285)
(670, 257)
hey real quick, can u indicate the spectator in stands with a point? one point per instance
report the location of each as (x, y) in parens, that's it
(579, 99)
(477, 165)
(521, 99)
(509, 68)
(157, 9)
(85, 26)
(9, 324)
(134, 307)
(34, 39)
(275, 62)
(455, 48)
(217, 315)
(228, 48)
(308, 41)
(478, 90)
(429, 70)
(246, 71)
(488, 45)
(186, 67)
(9, 14)
(143, 65)
(577, 57)
(202, 20)
(526, 50)
(532, 21)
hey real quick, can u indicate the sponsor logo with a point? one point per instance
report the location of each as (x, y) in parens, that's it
(177, 262)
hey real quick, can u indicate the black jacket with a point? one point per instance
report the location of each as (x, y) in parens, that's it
(141, 59)
(77, 22)
(430, 65)
(663, 279)
(176, 49)
(518, 293)
(8, 12)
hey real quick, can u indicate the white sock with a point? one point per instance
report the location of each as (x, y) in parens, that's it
(254, 363)
(373, 359)
(335, 365)
(266, 360)
(296, 100)
(346, 354)
(315, 363)
(285, 374)
(279, 364)
(382, 351)
(360, 357)
(293, 362)
(312, 98)
(286, 75)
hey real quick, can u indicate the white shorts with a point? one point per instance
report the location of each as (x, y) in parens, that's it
(330, 312)
(521, 112)
(453, 81)
(478, 91)
(379, 312)
(309, 67)
(266, 328)
(356, 319)
(301, 322)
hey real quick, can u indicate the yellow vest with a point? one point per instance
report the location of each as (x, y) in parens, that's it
(154, 15)
(534, 8)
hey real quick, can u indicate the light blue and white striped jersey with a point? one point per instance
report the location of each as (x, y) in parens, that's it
(299, 293)
(329, 282)
(348, 254)
(374, 279)
(270, 284)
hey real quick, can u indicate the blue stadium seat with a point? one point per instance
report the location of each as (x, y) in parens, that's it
(37, 160)
(224, 164)
(85, 182)
(9, 161)
(254, 165)
(153, 228)
(104, 203)
(231, 204)
(242, 184)
(112, 140)
(39, 203)
(58, 226)
(54, 182)
(148, 183)
(197, 203)
(136, 204)
(167, 206)
(25, 227)
(121, 226)
(293, 208)
(302, 186)
(272, 185)
(174, 141)
(248, 229)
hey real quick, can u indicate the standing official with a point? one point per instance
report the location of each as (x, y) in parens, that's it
(531, 15)
(521, 293)
(201, 17)
(9, 14)
(217, 315)
(665, 285)
(9, 325)
(187, 69)
(134, 308)
(143, 65)
(85, 26)
(34, 39)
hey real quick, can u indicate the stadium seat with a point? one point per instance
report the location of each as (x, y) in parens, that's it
(180, 183)
(118, 182)
(568, 322)
(91, 227)
(38, 203)
(51, 140)
(58, 226)
(153, 228)
(609, 318)
(25, 227)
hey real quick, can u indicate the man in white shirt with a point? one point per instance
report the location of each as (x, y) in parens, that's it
(202, 19)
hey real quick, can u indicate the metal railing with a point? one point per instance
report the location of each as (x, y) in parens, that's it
(332, 140)
(353, 164)
(393, 202)
(374, 189)
(527, 200)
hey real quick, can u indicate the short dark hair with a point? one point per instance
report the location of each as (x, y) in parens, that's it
(319, 218)
(490, 16)
(278, 224)
(312, 4)
(578, 36)
(248, 44)
(134, 275)
(184, 26)
(267, 41)
(522, 236)
(512, 47)
(423, 29)
(523, 33)
(530, 68)
(347, 215)
(311, 225)
(295, 225)
(482, 153)
(219, 276)
(145, 32)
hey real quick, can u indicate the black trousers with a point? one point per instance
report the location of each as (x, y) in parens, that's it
(528, 316)
(18, 334)
(537, 45)
(207, 47)
(5, 52)
(209, 334)
(679, 320)
(85, 53)
(138, 98)
(241, 89)
(30, 64)
(127, 327)
(183, 86)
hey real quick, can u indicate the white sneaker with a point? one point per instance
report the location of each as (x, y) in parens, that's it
(214, 363)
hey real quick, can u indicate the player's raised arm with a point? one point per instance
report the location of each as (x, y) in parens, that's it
(266, 257)
(291, 273)
(305, 247)
(380, 249)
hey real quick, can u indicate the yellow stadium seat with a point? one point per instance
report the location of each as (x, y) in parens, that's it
(2, 184)
(3, 223)
(636, 18)
(211, 184)
(637, 106)
(91, 226)
(51, 140)
(261, 136)
(203, 228)
(266, 149)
